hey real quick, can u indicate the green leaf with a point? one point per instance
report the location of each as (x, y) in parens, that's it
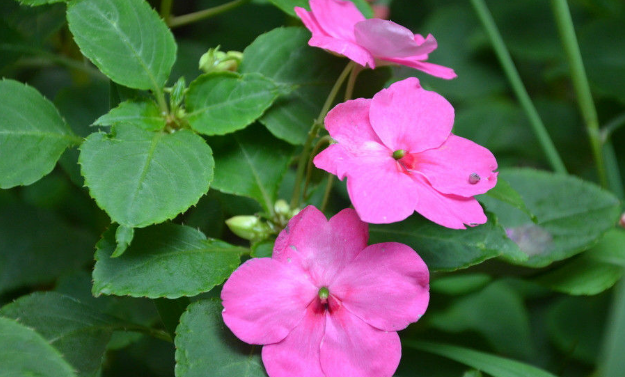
(456, 285)
(26, 353)
(224, 102)
(288, 6)
(125, 39)
(32, 135)
(140, 177)
(612, 361)
(571, 214)
(35, 3)
(78, 331)
(505, 193)
(206, 347)
(141, 113)
(166, 260)
(498, 313)
(123, 238)
(251, 163)
(445, 249)
(36, 246)
(284, 56)
(495, 366)
(594, 271)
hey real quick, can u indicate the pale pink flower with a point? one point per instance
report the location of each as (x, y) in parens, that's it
(326, 304)
(399, 156)
(338, 26)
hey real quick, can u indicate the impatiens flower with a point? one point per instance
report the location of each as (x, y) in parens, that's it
(399, 156)
(338, 26)
(326, 304)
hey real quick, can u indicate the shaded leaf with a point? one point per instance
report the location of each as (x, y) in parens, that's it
(505, 193)
(140, 177)
(166, 260)
(140, 113)
(205, 346)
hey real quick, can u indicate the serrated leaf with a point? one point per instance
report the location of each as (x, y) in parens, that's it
(166, 260)
(125, 39)
(140, 177)
(206, 347)
(495, 366)
(26, 353)
(37, 246)
(78, 331)
(32, 135)
(141, 113)
(505, 193)
(288, 6)
(123, 238)
(593, 272)
(251, 163)
(445, 249)
(35, 3)
(284, 56)
(224, 102)
(571, 214)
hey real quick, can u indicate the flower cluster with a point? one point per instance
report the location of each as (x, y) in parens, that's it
(326, 304)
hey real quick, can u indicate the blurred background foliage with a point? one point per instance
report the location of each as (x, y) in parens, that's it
(48, 229)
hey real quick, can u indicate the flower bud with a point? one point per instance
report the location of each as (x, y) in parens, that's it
(622, 221)
(249, 227)
(282, 208)
(219, 61)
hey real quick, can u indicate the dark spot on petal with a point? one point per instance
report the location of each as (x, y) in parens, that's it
(474, 178)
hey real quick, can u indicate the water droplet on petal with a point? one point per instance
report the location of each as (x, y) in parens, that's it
(474, 178)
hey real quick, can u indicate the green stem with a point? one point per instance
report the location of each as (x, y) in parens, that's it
(174, 22)
(160, 99)
(312, 134)
(326, 193)
(58, 59)
(170, 312)
(351, 82)
(614, 175)
(166, 9)
(517, 85)
(580, 82)
(159, 334)
(324, 140)
(612, 126)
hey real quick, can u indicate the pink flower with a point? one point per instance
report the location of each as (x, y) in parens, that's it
(338, 26)
(326, 304)
(399, 156)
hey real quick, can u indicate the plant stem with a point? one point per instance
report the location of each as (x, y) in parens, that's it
(174, 22)
(166, 9)
(612, 126)
(326, 193)
(614, 175)
(580, 82)
(324, 140)
(159, 334)
(349, 89)
(160, 99)
(312, 134)
(517, 85)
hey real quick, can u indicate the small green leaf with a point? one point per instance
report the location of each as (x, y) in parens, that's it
(78, 331)
(32, 135)
(505, 193)
(445, 249)
(224, 102)
(123, 238)
(125, 39)
(166, 260)
(284, 56)
(594, 271)
(177, 93)
(288, 6)
(571, 214)
(206, 347)
(251, 163)
(140, 177)
(495, 366)
(141, 113)
(26, 353)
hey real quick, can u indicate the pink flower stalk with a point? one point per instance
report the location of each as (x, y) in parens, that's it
(399, 156)
(326, 304)
(338, 26)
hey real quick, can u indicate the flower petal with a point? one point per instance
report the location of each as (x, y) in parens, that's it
(264, 300)
(298, 353)
(342, 47)
(319, 247)
(337, 17)
(386, 38)
(451, 211)
(348, 123)
(334, 160)
(309, 20)
(458, 167)
(406, 116)
(380, 191)
(353, 348)
(429, 68)
(387, 286)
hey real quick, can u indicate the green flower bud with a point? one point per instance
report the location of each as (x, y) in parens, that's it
(249, 227)
(219, 61)
(282, 208)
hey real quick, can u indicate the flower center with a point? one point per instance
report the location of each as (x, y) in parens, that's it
(324, 292)
(398, 154)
